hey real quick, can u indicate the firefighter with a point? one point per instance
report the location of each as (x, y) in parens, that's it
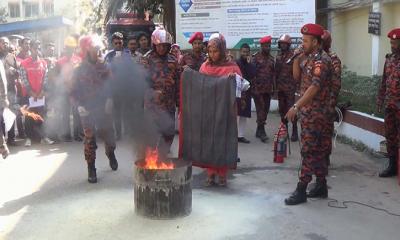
(262, 85)
(196, 57)
(336, 80)
(313, 69)
(162, 97)
(389, 97)
(91, 91)
(286, 85)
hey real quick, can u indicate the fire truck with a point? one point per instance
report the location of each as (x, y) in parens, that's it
(128, 24)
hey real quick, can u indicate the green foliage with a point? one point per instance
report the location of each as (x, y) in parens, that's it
(361, 91)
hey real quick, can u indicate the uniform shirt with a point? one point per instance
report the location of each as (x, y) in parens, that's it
(265, 70)
(316, 70)
(389, 91)
(191, 60)
(284, 72)
(163, 81)
(91, 86)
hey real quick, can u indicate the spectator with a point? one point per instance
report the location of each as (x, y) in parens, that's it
(34, 78)
(144, 43)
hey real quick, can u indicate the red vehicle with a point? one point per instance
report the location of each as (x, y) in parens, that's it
(128, 24)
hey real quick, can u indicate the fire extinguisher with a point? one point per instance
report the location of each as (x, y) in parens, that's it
(280, 144)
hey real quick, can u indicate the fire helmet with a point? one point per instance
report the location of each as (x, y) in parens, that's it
(70, 42)
(285, 38)
(90, 41)
(160, 36)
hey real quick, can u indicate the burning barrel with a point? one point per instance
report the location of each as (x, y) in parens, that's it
(163, 190)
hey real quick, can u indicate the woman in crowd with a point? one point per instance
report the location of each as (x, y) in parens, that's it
(218, 64)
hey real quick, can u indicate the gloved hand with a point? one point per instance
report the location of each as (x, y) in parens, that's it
(82, 111)
(109, 106)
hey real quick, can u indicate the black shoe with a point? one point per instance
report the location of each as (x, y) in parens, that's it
(243, 140)
(21, 136)
(298, 196)
(92, 176)
(113, 161)
(391, 169)
(78, 138)
(11, 142)
(67, 138)
(258, 133)
(261, 134)
(320, 190)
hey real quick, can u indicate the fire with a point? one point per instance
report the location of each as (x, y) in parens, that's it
(152, 161)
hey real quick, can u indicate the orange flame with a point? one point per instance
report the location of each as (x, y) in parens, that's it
(152, 161)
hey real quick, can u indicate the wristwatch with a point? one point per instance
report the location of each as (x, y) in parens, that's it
(295, 107)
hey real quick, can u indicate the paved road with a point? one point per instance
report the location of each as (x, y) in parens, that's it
(45, 195)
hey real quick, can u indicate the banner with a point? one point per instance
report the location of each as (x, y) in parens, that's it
(242, 21)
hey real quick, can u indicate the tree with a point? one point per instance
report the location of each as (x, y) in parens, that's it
(3, 15)
(163, 8)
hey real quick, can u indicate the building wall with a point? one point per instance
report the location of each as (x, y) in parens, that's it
(351, 39)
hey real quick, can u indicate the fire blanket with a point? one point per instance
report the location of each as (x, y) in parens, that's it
(208, 128)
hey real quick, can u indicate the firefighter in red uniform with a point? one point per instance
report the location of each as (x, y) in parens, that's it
(162, 97)
(313, 68)
(336, 81)
(262, 85)
(91, 91)
(285, 81)
(196, 57)
(389, 94)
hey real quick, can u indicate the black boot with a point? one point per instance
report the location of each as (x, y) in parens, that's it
(261, 134)
(258, 134)
(391, 169)
(113, 160)
(92, 177)
(298, 196)
(295, 134)
(320, 190)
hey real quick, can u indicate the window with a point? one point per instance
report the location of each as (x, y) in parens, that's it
(14, 10)
(48, 7)
(31, 9)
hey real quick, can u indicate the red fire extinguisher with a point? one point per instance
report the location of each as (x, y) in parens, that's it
(280, 144)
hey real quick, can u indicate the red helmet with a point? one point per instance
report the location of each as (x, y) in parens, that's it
(327, 39)
(87, 42)
(285, 38)
(160, 36)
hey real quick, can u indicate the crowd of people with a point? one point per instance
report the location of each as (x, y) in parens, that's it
(44, 91)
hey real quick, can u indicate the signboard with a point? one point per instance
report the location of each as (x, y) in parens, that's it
(374, 23)
(242, 21)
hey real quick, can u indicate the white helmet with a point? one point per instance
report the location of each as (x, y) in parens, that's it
(160, 35)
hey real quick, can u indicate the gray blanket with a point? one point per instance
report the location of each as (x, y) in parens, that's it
(208, 120)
